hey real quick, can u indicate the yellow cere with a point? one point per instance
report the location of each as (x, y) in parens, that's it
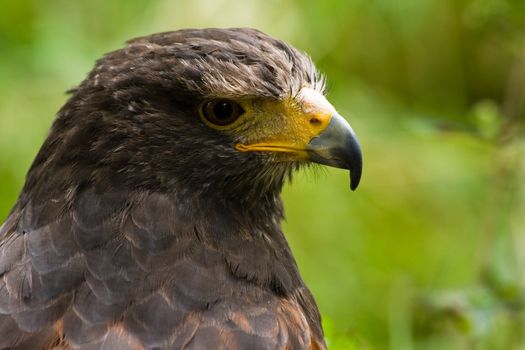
(287, 126)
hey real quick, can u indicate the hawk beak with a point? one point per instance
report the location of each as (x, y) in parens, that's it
(337, 146)
(313, 132)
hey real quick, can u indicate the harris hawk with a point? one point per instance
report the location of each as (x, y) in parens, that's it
(150, 218)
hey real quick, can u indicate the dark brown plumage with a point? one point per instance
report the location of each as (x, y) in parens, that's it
(146, 223)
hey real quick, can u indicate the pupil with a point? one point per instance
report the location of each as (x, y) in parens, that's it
(223, 110)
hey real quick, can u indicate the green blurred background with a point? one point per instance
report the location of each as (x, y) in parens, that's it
(429, 252)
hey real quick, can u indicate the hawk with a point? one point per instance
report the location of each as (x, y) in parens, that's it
(150, 218)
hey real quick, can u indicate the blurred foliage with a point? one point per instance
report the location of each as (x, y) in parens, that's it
(429, 252)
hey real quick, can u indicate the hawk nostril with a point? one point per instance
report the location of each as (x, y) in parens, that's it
(315, 121)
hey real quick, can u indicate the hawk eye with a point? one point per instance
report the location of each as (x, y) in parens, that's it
(221, 112)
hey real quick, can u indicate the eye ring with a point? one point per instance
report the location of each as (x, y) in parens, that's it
(221, 112)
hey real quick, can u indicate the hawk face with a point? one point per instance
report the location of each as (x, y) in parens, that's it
(221, 112)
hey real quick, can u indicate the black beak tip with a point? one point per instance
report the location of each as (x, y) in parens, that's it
(355, 177)
(354, 160)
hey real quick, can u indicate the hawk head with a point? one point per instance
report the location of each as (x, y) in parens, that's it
(226, 113)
